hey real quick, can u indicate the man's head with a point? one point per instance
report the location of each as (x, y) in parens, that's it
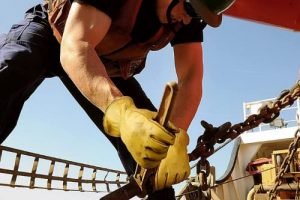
(210, 11)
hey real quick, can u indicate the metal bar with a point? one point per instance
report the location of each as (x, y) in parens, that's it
(118, 180)
(15, 171)
(50, 173)
(107, 185)
(33, 175)
(80, 178)
(33, 172)
(9, 149)
(283, 186)
(57, 178)
(94, 179)
(65, 177)
(141, 182)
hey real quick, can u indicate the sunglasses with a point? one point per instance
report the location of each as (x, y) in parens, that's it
(190, 10)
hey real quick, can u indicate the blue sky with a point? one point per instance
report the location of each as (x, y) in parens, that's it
(244, 61)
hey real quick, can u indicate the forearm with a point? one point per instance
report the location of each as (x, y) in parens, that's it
(85, 28)
(187, 102)
(189, 69)
(88, 73)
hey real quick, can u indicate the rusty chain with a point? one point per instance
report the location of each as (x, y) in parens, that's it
(285, 164)
(213, 135)
(267, 113)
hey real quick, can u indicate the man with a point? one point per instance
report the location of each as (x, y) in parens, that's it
(97, 49)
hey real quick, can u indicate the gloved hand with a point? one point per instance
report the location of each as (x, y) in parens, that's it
(146, 140)
(175, 167)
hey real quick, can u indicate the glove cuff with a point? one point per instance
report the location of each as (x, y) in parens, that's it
(113, 115)
(182, 138)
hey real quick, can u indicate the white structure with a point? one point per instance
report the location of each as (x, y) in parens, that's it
(257, 143)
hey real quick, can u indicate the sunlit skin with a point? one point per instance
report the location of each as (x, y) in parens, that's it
(86, 26)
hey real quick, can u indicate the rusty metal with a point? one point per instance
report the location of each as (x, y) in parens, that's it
(142, 182)
(49, 178)
(285, 164)
(213, 135)
(145, 177)
(203, 171)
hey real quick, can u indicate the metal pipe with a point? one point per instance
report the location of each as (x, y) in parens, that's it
(284, 186)
(251, 193)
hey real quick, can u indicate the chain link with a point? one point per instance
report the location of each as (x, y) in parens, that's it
(203, 171)
(285, 164)
(266, 114)
(213, 135)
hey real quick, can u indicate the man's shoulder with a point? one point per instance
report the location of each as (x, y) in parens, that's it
(110, 7)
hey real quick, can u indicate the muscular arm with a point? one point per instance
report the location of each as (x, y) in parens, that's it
(189, 69)
(85, 28)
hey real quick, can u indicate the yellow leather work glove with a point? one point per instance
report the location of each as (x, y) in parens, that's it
(146, 140)
(175, 167)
